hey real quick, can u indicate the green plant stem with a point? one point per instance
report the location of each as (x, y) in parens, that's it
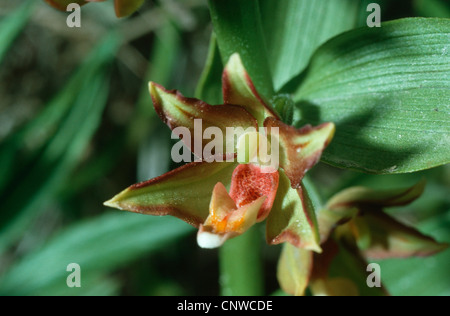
(241, 270)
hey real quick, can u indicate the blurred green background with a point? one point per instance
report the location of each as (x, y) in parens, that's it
(77, 126)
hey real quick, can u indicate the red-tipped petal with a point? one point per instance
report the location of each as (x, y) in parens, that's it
(390, 238)
(239, 89)
(184, 192)
(300, 149)
(345, 205)
(178, 111)
(292, 218)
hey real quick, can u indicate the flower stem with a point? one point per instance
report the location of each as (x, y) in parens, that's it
(241, 270)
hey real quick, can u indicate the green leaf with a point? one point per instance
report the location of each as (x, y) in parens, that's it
(387, 90)
(292, 218)
(432, 8)
(295, 28)
(62, 4)
(69, 132)
(184, 192)
(11, 26)
(99, 246)
(238, 28)
(209, 87)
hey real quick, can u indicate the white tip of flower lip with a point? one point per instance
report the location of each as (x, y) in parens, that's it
(209, 240)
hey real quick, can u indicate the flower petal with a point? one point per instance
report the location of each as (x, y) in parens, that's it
(184, 192)
(239, 89)
(178, 111)
(225, 219)
(347, 204)
(300, 149)
(391, 239)
(250, 183)
(292, 218)
(294, 269)
(127, 7)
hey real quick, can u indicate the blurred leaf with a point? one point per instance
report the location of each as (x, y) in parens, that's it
(432, 8)
(35, 183)
(161, 69)
(209, 88)
(295, 28)
(63, 4)
(238, 28)
(387, 90)
(349, 264)
(99, 246)
(11, 26)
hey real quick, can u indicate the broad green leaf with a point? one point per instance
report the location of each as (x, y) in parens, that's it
(11, 26)
(99, 246)
(184, 192)
(387, 90)
(294, 269)
(238, 28)
(292, 218)
(295, 28)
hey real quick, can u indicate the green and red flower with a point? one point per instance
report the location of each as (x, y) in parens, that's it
(223, 198)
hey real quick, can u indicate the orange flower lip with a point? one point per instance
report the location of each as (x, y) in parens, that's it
(250, 200)
(249, 183)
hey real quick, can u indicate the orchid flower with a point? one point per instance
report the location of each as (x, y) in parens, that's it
(123, 7)
(223, 197)
(354, 228)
